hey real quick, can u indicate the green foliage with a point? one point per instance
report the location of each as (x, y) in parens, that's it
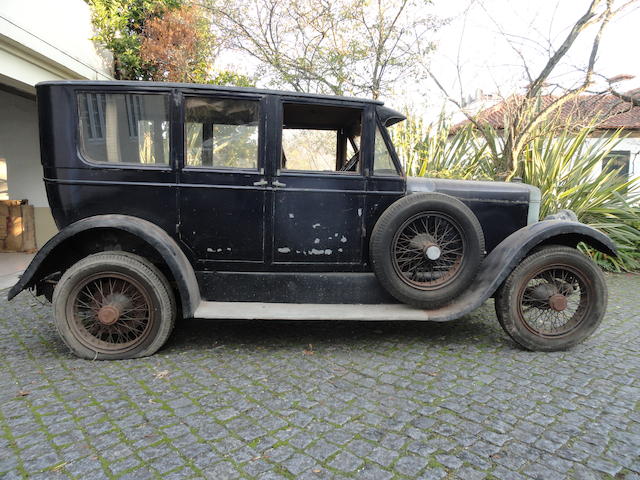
(435, 150)
(567, 169)
(119, 25)
(565, 165)
(227, 77)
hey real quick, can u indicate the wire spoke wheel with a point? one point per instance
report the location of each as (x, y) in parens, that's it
(110, 312)
(554, 300)
(428, 250)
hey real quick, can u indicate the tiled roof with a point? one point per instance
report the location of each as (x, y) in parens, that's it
(613, 112)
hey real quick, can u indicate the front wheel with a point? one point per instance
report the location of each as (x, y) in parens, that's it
(553, 300)
(113, 305)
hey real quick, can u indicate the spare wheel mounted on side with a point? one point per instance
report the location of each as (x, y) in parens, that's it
(426, 249)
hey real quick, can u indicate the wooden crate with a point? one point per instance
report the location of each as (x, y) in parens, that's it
(17, 226)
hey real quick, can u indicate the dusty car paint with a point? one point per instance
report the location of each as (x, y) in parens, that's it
(263, 235)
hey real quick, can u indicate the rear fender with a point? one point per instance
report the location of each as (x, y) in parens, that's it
(174, 258)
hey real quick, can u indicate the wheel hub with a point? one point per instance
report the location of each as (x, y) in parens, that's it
(432, 252)
(108, 315)
(558, 302)
(111, 311)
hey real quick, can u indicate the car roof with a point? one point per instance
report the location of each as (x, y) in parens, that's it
(199, 86)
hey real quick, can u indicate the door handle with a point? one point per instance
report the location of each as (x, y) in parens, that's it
(260, 183)
(276, 184)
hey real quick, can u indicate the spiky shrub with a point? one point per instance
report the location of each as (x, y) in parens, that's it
(434, 150)
(566, 168)
(565, 165)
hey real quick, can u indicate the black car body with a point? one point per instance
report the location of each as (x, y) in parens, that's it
(220, 189)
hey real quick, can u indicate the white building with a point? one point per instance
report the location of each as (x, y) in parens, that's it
(39, 40)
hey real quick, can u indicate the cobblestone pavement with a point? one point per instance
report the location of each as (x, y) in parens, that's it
(324, 400)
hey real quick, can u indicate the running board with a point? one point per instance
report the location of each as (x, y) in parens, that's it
(308, 311)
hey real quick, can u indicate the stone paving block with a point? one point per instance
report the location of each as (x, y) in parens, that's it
(383, 401)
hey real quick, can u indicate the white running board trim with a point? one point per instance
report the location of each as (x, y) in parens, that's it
(307, 311)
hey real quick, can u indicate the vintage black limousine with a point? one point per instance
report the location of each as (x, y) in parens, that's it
(177, 200)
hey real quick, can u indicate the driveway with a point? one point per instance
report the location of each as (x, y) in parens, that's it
(324, 400)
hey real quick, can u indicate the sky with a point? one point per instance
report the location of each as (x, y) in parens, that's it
(475, 40)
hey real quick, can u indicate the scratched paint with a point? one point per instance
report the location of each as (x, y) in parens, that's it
(285, 250)
(315, 225)
(343, 239)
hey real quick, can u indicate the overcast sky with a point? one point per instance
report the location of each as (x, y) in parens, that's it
(473, 39)
(489, 63)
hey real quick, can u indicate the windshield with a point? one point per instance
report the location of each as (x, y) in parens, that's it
(383, 153)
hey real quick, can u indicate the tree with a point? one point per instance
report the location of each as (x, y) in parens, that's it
(119, 25)
(178, 45)
(526, 113)
(166, 40)
(357, 47)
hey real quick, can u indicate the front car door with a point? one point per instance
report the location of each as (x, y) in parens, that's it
(319, 186)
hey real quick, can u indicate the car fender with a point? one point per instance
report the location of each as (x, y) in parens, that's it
(156, 237)
(503, 259)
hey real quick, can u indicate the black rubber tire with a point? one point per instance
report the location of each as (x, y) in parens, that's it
(155, 284)
(381, 246)
(507, 299)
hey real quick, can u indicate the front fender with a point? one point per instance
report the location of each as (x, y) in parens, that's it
(502, 260)
(156, 237)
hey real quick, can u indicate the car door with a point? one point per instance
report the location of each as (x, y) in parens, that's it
(222, 194)
(318, 198)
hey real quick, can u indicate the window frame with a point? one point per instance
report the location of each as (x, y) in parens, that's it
(626, 154)
(214, 95)
(279, 128)
(378, 125)
(165, 92)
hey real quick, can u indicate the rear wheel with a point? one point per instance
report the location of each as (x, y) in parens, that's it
(553, 300)
(114, 305)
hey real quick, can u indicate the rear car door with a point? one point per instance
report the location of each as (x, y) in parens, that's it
(222, 191)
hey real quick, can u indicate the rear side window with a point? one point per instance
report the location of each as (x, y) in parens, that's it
(124, 128)
(221, 133)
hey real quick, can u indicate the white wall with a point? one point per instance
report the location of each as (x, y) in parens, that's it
(48, 40)
(20, 148)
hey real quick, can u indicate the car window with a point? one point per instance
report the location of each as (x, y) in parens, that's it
(321, 138)
(221, 133)
(382, 160)
(124, 128)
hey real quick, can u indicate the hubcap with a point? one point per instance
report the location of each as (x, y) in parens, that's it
(108, 315)
(432, 252)
(558, 302)
(427, 250)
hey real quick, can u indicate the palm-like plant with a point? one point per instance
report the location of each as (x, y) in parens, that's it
(567, 169)
(565, 165)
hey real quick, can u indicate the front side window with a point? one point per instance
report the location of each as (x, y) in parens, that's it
(221, 133)
(382, 161)
(321, 138)
(124, 128)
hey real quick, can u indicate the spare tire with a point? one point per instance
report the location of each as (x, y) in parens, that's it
(426, 249)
